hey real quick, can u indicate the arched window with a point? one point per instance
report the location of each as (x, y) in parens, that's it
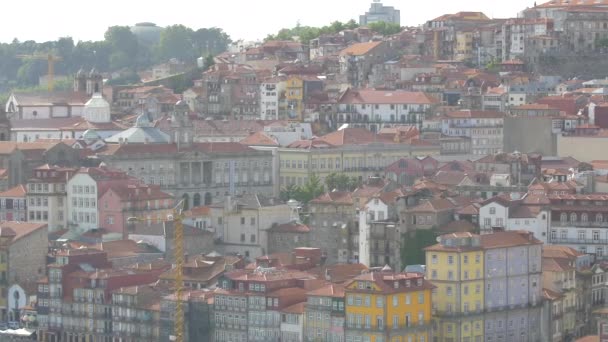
(599, 218)
(573, 217)
(196, 200)
(584, 217)
(563, 217)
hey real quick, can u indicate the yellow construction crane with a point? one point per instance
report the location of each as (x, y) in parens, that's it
(178, 254)
(51, 59)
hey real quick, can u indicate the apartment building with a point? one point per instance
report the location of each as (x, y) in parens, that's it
(47, 196)
(484, 128)
(388, 306)
(324, 314)
(479, 281)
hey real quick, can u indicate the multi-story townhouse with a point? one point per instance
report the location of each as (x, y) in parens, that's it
(272, 95)
(123, 201)
(516, 31)
(333, 226)
(292, 323)
(505, 213)
(388, 306)
(13, 204)
(202, 272)
(484, 128)
(136, 313)
(47, 196)
(559, 277)
(75, 301)
(356, 61)
(488, 286)
(83, 191)
(242, 223)
(375, 109)
(325, 314)
(23, 250)
(248, 305)
(379, 233)
(457, 272)
(198, 310)
(579, 221)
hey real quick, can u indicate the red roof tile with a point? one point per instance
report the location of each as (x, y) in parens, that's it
(370, 96)
(16, 192)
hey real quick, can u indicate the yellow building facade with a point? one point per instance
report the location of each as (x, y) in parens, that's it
(294, 95)
(458, 301)
(388, 307)
(361, 161)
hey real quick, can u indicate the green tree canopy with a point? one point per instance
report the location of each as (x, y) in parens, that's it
(306, 33)
(384, 28)
(176, 42)
(341, 182)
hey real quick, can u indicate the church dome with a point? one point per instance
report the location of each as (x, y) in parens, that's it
(142, 121)
(97, 109)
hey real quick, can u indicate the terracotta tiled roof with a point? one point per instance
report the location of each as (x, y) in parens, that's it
(259, 139)
(198, 211)
(471, 209)
(551, 295)
(359, 49)
(384, 280)
(508, 239)
(433, 205)
(291, 227)
(16, 192)
(20, 229)
(557, 265)
(7, 147)
(339, 273)
(557, 251)
(349, 136)
(295, 309)
(329, 290)
(334, 197)
(457, 226)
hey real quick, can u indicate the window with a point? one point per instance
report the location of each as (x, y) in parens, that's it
(253, 221)
(448, 291)
(379, 302)
(465, 259)
(573, 217)
(421, 298)
(492, 211)
(581, 235)
(450, 259)
(434, 258)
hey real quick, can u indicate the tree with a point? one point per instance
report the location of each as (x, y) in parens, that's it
(291, 191)
(384, 28)
(208, 62)
(585, 167)
(312, 189)
(210, 41)
(341, 182)
(176, 42)
(413, 244)
(124, 47)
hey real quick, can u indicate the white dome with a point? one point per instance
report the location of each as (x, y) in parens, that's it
(97, 109)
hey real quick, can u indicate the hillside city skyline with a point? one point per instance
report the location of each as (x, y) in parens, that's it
(253, 21)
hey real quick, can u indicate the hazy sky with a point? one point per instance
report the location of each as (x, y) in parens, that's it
(43, 20)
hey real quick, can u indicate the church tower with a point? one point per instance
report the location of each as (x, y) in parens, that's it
(183, 132)
(80, 81)
(94, 82)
